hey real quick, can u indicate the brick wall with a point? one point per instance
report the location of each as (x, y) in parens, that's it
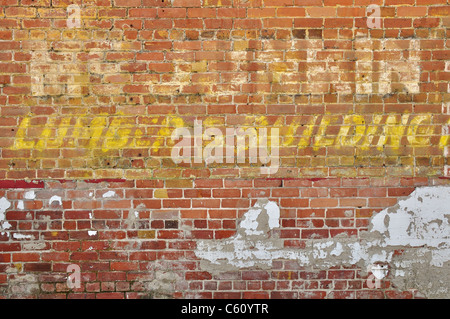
(92, 91)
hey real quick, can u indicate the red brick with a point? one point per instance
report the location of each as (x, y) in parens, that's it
(197, 275)
(398, 192)
(341, 274)
(25, 257)
(236, 64)
(255, 275)
(291, 12)
(34, 267)
(142, 13)
(171, 12)
(201, 12)
(123, 266)
(21, 184)
(439, 11)
(289, 202)
(255, 295)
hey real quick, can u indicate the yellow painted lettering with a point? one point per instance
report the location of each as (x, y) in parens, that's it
(20, 142)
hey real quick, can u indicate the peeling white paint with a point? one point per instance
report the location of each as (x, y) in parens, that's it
(439, 257)
(250, 246)
(4, 205)
(30, 195)
(55, 199)
(379, 271)
(250, 222)
(418, 224)
(109, 194)
(21, 236)
(6, 225)
(337, 250)
(20, 205)
(33, 245)
(92, 232)
(421, 219)
(319, 252)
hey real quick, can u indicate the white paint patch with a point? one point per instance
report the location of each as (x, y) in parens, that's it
(319, 249)
(440, 256)
(6, 225)
(4, 205)
(109, 194)
(250, 222)
(420, 220)
(30, 195)
(34, 246)
(379, 271)
(55, 199)
(20, 205)
(92, 232)
(338, 250)
(21, 236)
(250, 246)
(420, 223)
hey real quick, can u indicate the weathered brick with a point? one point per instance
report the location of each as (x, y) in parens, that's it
(89, 110)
